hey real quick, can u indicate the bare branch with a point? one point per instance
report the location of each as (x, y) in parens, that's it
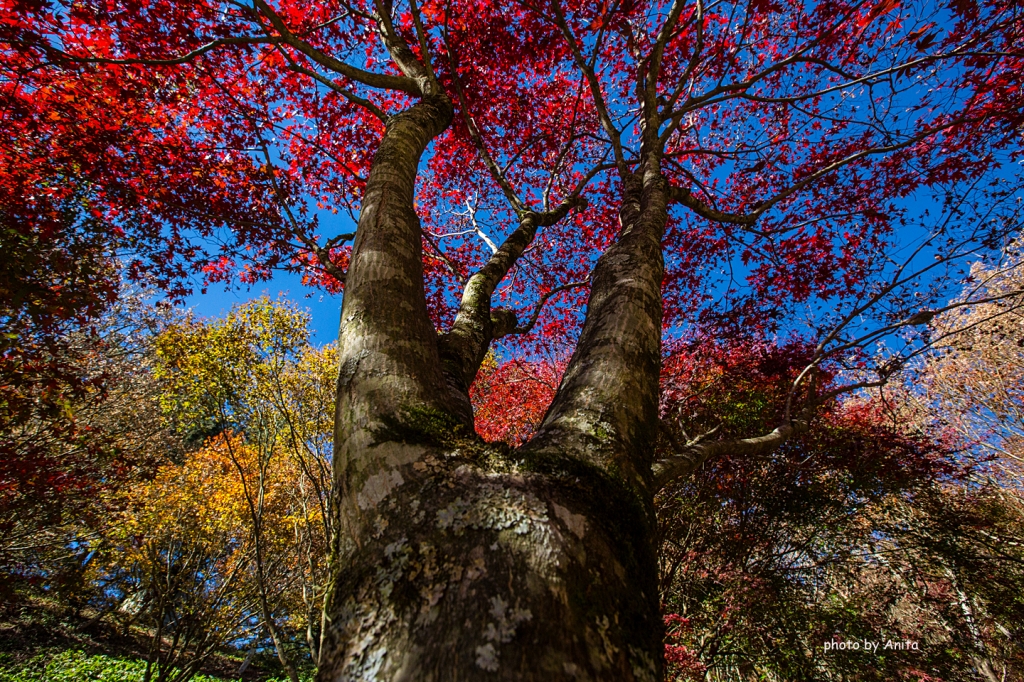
(169, 61)
(614, 136)
(525, 329)
(476, 228)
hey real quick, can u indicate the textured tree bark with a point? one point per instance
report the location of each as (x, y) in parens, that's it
(606, 409)
(456, 560)
(462, 572)
(390, 367)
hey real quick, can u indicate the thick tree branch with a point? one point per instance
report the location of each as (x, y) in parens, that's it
(421, 73)
(691, 456)
(368, 78)
(380, 379)
(464, 346)
(605, 412)
(685, 197)
(655, 60)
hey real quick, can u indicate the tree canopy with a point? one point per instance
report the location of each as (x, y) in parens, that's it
(798, 141)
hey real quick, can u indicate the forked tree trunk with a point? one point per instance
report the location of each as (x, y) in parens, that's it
(461, 561)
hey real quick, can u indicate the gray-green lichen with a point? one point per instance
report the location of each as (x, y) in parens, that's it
(500, 630)
(494, 507)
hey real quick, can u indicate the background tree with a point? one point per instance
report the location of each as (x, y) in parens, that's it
(71, 437)
(184, 554)
(254, 373)
(864, 528)
(304, 399)
(200, 507)
(977, 371)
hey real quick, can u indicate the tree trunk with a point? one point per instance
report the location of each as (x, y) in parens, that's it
(458, 560)
(275, 637)
(462, 573)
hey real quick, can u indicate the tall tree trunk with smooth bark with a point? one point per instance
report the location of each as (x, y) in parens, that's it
(458, 560)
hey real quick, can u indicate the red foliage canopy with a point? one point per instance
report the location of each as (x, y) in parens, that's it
(801, 141)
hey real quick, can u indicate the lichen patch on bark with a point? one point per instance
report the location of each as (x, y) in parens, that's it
(377, 487)
(577, 523)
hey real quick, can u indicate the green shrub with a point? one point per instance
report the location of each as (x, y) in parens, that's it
(76, 666)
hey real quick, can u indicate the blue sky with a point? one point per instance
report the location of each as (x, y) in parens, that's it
(325, 308)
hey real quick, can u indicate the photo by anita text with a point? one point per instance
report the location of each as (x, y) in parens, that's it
(871, 646)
